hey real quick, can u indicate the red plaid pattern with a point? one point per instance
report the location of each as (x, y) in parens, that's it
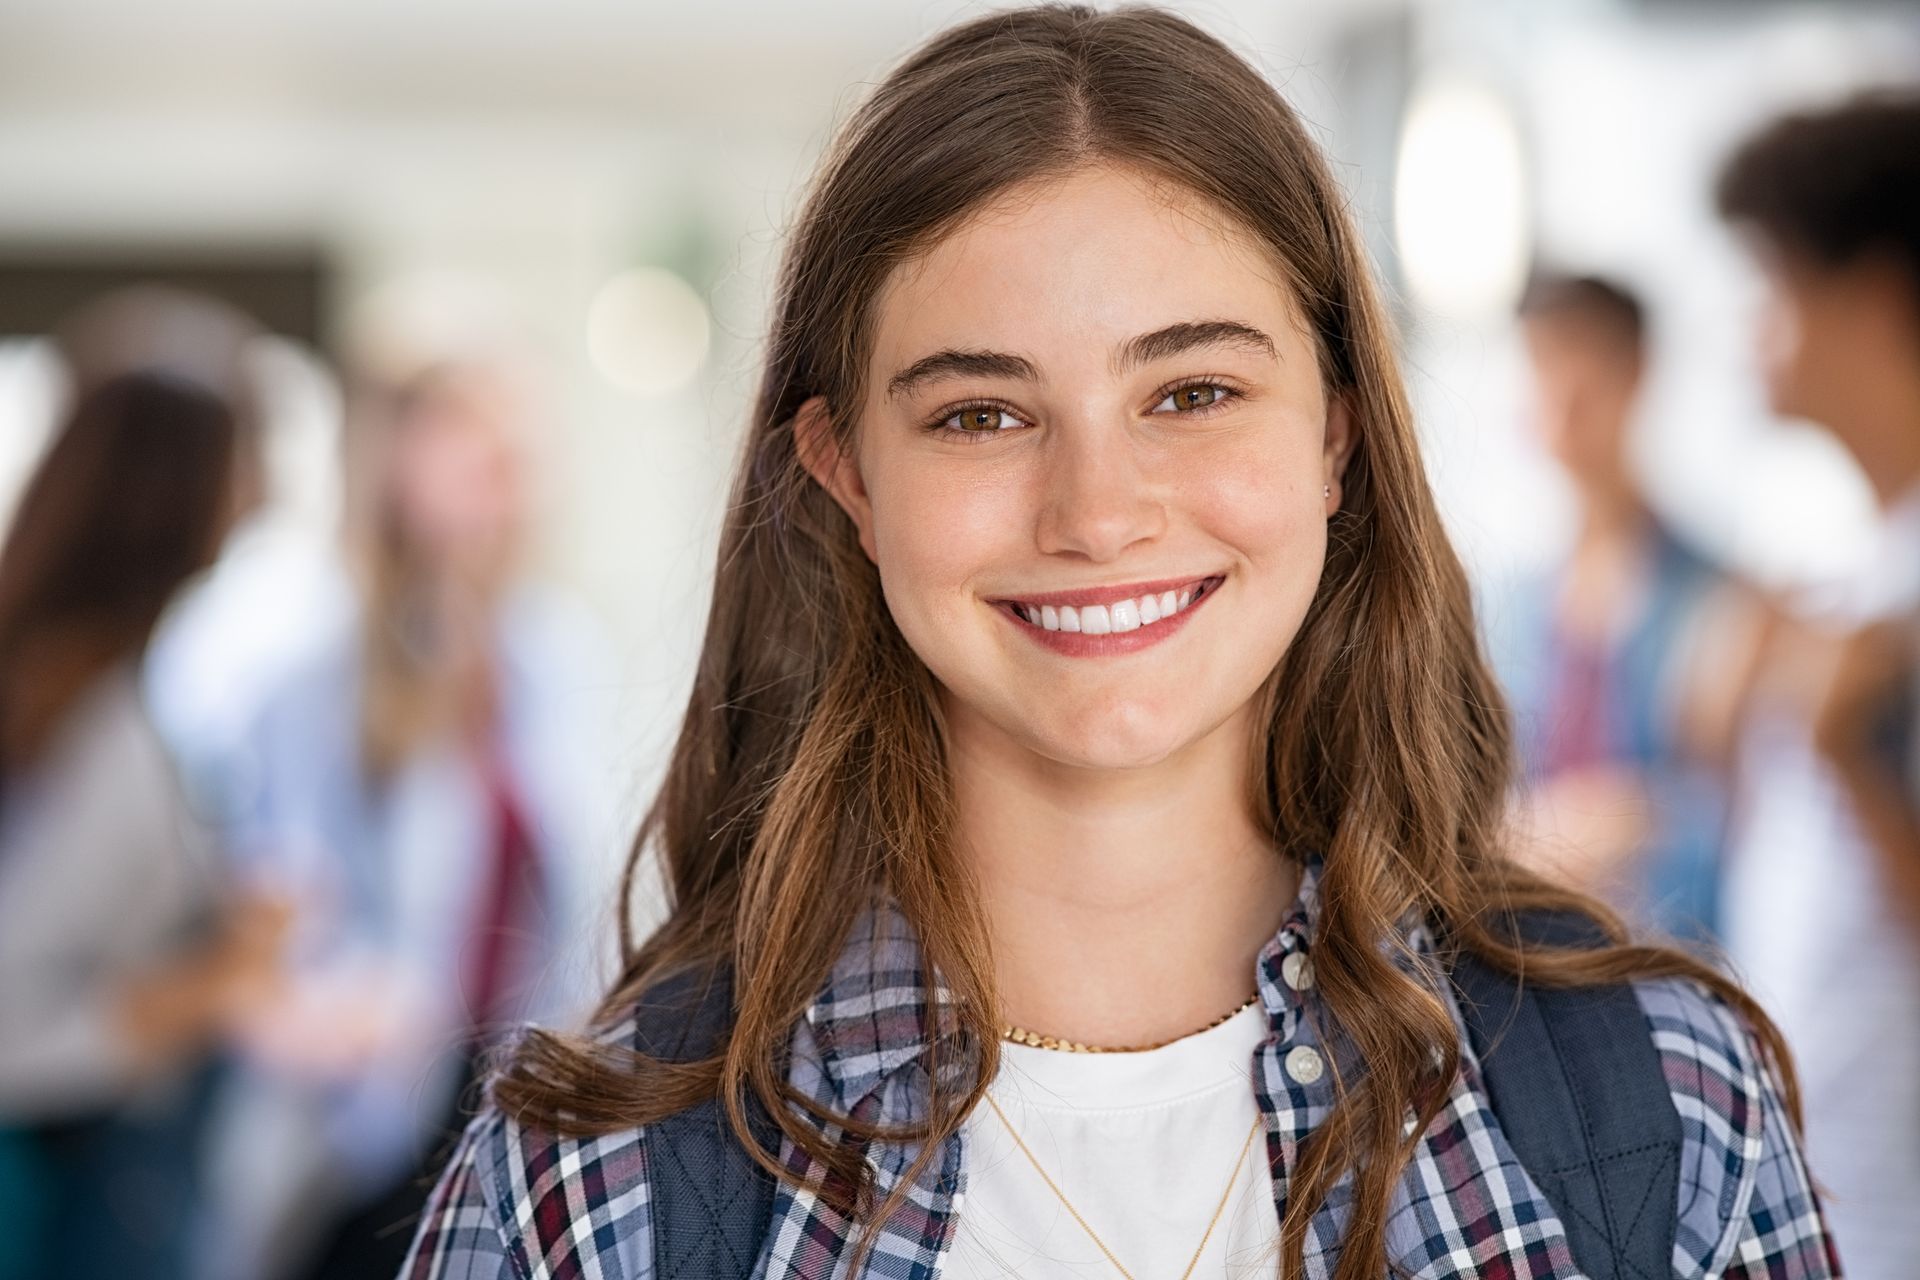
(516, 1204)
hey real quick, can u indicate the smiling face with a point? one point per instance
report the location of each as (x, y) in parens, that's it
(1094, 405)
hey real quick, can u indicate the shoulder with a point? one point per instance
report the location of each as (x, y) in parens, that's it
(1746, 1200)
(1713, 1071)
(108, 733)
(520, 1202)
(108, 778)
(466, 1228)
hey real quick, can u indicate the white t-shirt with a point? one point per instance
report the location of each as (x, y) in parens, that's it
(1143, 1144)
(1815, 936)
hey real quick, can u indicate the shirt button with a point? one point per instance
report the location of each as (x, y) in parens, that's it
(1297, 970)
(1304, 1064)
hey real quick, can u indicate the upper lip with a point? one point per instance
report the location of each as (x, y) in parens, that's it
(1107, 595)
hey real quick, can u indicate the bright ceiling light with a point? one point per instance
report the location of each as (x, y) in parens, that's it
(648, 331)
(1460, 201)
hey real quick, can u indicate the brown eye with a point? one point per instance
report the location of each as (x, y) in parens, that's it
(1195, 395)
(979, 419)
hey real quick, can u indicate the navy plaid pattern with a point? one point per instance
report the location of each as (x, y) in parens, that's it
(517, 1204)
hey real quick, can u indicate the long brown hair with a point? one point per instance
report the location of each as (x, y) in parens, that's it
(809, 777)
(145, 472)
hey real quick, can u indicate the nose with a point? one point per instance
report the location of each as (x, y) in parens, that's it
(1098, 496)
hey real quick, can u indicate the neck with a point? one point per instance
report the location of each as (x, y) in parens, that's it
(1125, 906)
(1611, 516)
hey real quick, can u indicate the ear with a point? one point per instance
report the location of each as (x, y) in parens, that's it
(831, 467)
(1341, 436)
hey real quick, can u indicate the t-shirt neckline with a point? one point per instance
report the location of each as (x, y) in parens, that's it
(1060, 1080)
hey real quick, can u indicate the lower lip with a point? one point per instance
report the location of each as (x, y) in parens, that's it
(1079, 644)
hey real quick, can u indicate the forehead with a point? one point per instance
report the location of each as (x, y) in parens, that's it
(1068, 267)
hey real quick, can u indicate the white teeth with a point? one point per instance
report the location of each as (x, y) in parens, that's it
(1100, 619)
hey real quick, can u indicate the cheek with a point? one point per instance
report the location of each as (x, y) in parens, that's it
(1266, 504)
(935, 529)
(1783, 345)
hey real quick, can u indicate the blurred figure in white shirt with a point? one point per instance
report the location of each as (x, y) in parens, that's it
(435, 782)
(1822, 902)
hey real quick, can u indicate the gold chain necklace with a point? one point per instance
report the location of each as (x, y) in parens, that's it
(1020, 1035)
(1093, 1235)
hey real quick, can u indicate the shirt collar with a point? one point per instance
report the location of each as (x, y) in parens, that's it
(873, 1015)
(1295, 936)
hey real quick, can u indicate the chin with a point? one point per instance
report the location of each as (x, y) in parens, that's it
(1136, 738)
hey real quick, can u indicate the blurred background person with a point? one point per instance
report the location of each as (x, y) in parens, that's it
(1823, 893)
(1603, 653)
(427, 781)
(124, 956)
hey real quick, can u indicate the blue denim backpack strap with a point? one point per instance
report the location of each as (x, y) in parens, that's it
(711, 1204)
(1577, 1084)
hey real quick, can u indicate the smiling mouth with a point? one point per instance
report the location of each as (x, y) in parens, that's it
(1121, 614)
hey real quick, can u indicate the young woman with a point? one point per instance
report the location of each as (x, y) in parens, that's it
(1088, 798)
(125, 961)
(427, 775)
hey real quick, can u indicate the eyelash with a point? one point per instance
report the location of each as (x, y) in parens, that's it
(938, 425)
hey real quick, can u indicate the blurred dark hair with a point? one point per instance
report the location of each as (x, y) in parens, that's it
(130, 501)
(1836, 184)
(1605, 302)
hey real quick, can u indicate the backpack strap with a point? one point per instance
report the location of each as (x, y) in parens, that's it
(711, 1203)
(1578, 1086)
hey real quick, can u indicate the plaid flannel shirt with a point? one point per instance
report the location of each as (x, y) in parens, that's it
(520, 1204)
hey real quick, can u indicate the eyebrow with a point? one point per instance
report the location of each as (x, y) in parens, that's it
(960, 364)
(1148, 347)
(1186, 336)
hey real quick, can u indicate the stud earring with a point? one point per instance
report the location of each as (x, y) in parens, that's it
(1326, 491)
